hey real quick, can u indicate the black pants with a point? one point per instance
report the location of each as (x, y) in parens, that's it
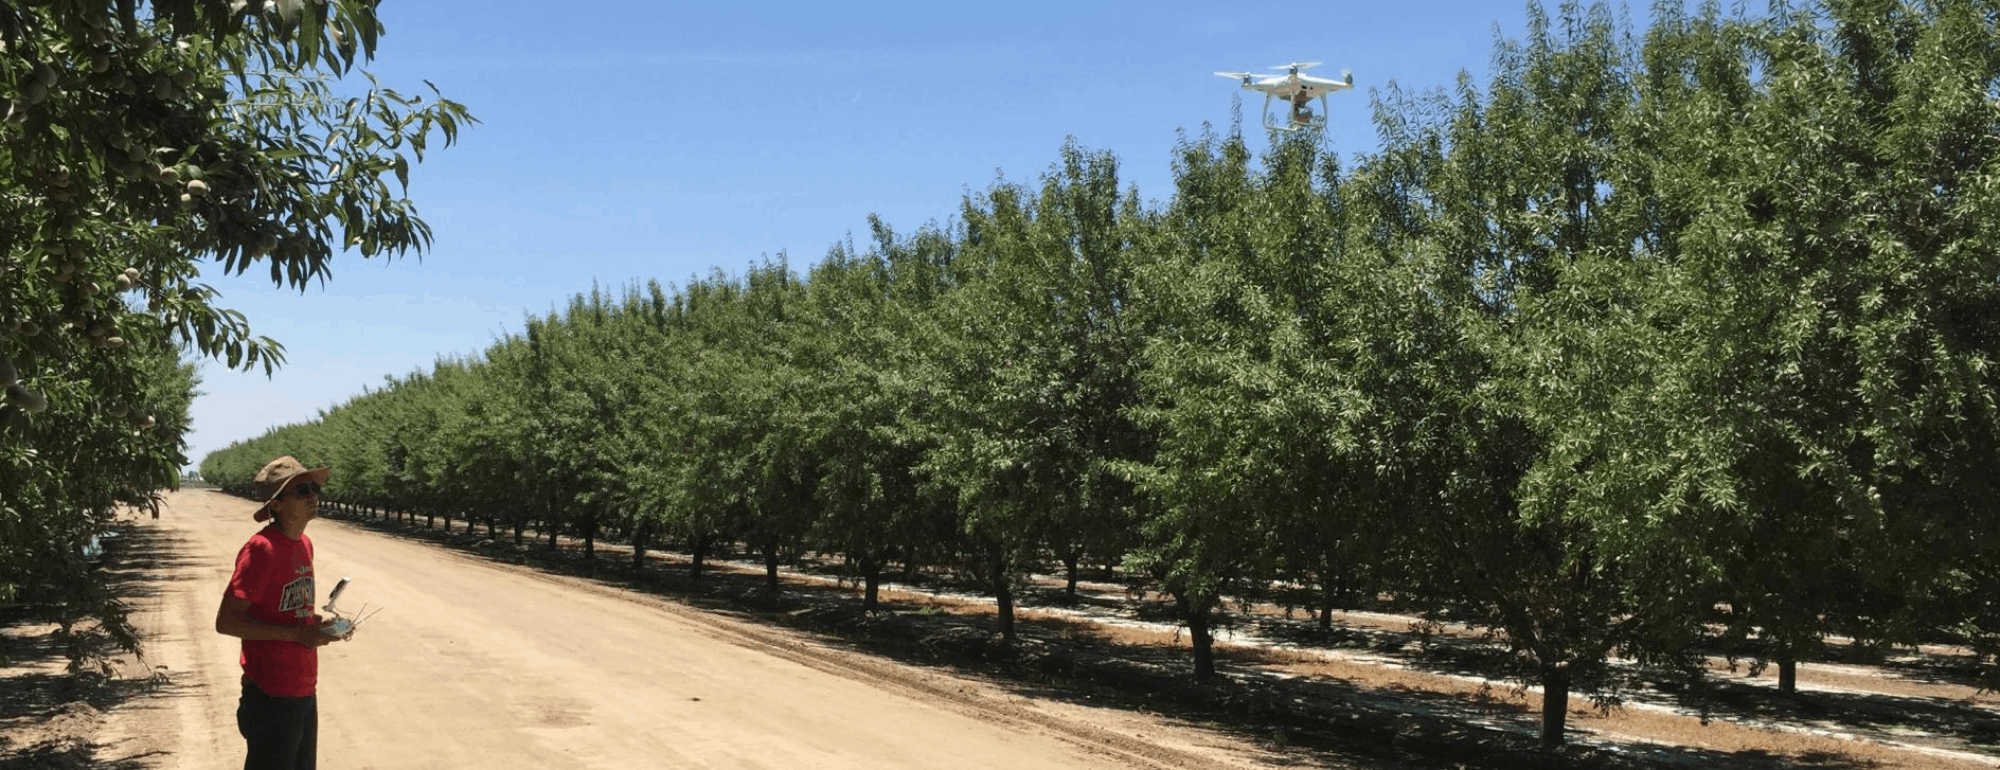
(283, 733)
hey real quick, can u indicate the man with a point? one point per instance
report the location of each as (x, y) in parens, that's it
(269, 605)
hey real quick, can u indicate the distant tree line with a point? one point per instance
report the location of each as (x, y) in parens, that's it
(1658, 342)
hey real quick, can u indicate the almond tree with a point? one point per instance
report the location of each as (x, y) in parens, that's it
(1834, 238)
(1205, 532)
(862, 309)
(1706, 135)
(475, 461)
(141, 140)
(1295, 341)
(600, 395)
(709, 415)
(1546, 528)
(508, 364)
(784, 467)
(1036, 367)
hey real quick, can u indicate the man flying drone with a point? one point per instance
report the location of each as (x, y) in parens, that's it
(1295, 88)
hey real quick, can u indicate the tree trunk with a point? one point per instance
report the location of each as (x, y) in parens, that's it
(699, 552)
(771, 565)
(430, 520)
(1071, 560)
(1788, 670)
(871, 575)
(519, 535)
(1555, 707)
(590, 536)
(639, 545)
(447, 522)
(1003, 595)
(1204, 643)
(1329, 596)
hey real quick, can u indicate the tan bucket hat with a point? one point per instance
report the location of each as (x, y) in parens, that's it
(276, 474)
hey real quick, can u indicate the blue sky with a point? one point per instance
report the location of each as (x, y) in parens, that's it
(647, 140)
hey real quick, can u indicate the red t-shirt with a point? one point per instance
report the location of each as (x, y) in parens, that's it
(275, 573)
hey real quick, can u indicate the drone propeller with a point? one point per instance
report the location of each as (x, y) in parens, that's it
(1294, 67)
(1245, 76)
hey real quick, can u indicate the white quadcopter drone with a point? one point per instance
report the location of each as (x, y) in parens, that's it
(1295, 88)
(341, 627)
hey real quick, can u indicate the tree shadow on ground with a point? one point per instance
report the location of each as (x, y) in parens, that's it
(139, 555)
(1307, 721)
(50, 710)
(1877, 715)
(1964, 670)
(50, 719)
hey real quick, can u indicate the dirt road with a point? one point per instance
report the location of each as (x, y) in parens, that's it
(479, 665)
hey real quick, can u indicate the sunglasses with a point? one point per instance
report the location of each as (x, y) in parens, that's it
(302, 489)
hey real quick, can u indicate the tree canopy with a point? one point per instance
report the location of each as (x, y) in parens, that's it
(140, 143)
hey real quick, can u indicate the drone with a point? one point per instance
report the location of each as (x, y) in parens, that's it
(1295, 88)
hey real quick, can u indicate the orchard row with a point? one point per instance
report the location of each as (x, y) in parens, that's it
(1656, 342)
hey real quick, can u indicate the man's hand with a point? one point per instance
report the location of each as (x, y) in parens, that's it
(314, 636)
(320, 623)
(233, 619)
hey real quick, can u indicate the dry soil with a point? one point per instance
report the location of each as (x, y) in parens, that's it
(481, 665)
